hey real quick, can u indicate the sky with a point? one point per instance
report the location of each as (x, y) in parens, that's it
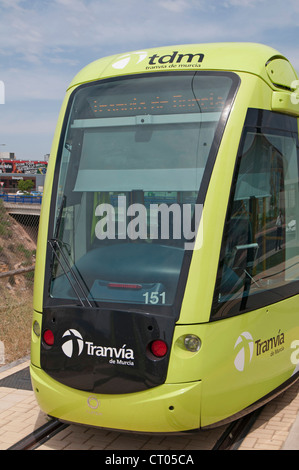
(44, 43)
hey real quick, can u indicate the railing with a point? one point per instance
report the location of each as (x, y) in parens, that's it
(21, 198)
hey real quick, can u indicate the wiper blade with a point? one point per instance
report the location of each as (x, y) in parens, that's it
(76, 286)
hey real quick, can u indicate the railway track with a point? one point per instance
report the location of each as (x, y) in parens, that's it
(235, 433)
(231, 438)
(39, 436)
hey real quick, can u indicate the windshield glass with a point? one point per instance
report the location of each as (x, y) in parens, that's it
(134, 154)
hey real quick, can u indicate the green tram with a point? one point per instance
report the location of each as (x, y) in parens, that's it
(167, 269)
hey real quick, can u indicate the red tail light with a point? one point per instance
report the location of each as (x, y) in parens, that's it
(158, 348)
(48, 337)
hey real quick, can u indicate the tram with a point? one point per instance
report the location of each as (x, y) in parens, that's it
(167, 267)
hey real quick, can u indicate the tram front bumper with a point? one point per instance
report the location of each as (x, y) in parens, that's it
(166, 408)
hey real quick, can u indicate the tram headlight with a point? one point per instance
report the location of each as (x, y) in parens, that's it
(36, 328)
(192, 343)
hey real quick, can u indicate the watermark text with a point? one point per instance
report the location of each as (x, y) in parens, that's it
(2, 92)
(157, 221)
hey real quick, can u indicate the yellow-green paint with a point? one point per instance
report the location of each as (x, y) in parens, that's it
(205, 387)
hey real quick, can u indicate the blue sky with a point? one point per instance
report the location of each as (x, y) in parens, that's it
(44, 43)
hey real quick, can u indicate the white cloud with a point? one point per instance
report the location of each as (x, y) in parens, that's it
(44, 43)
(242, 3)
(40, 31)
(26, 125)
(177, 6)
(37, 84)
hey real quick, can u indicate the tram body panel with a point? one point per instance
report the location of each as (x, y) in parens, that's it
(37, 322)
(205, 387)
(249, 57)
(43, 228)
(241, 359)
(238, 356)
(247, 360)
(167, 408)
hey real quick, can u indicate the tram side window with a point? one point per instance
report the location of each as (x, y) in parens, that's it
(260, 253)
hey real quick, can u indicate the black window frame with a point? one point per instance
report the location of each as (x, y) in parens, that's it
(173, 310)
(259, 121)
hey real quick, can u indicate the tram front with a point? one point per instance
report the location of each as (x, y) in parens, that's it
(134, 162)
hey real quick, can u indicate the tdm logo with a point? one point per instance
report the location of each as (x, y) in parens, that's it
(125, 59)
(173, 59)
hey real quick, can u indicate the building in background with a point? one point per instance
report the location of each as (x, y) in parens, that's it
(7, 156)
(11, 171)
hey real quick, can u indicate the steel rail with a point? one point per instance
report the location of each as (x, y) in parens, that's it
(39, 436)
(235, 433)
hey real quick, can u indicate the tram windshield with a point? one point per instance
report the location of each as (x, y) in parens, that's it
(133, 158)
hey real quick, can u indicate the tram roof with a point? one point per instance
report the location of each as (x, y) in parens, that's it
(257, 59)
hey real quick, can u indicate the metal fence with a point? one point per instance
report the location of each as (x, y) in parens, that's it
(18, 237)
(24, 208)
(29, 223)
(21, 198)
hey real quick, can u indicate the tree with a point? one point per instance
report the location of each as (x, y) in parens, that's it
(25, 185)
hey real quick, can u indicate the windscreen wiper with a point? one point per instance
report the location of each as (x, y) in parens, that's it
(76, 286)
